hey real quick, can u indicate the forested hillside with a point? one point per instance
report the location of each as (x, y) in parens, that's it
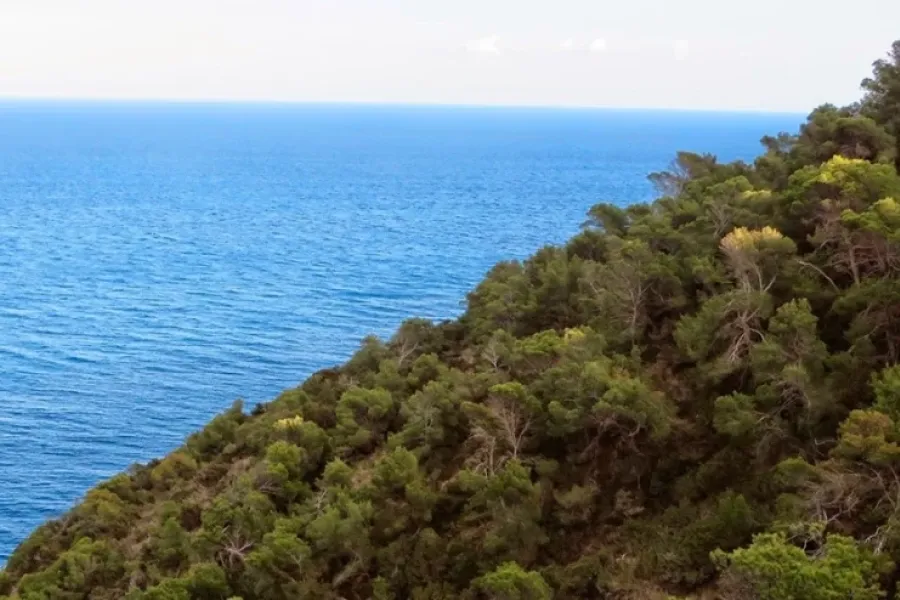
(699, 397)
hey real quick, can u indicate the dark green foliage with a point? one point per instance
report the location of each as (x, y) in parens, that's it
(696, 396)
(882, 99)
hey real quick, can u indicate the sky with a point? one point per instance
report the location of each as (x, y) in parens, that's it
(765, 55)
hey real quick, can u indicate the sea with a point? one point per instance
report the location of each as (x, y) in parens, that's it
(160, 260)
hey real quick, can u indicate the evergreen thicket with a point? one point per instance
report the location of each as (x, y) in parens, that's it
(698, 397)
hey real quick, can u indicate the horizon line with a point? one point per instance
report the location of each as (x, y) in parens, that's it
(4, 99)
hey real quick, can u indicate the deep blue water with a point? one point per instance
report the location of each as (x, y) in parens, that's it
(158, 261)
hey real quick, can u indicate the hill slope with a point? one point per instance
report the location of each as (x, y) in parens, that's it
(698, 396)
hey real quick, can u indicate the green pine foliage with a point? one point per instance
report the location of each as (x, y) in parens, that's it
(699, 397)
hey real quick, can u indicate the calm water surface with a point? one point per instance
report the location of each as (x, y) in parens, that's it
(158, 261)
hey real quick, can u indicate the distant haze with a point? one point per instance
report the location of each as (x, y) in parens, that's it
(772, 55)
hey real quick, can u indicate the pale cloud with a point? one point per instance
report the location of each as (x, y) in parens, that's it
(567, 45)
(363, 51)
(485, 45)
(598, 45)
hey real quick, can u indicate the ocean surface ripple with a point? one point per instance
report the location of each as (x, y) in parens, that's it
(159, 261)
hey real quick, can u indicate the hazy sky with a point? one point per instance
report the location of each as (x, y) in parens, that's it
(761, 55)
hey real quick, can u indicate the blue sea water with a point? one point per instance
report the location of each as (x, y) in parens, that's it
(158, 261)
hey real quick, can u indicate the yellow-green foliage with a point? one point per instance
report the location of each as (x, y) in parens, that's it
(742, 239)
(289, 423)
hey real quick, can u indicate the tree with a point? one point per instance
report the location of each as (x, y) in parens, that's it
(622, 287)
(433, 419)
(170, 546)
(600, 398)
(411, 337)
(363, 416)
(789, 367)
(500, 426)
(339, 535)
(729, 324)
(773, 569)
(882, 99)
(869, 436)
(86, 565)
(511, 582)
(830, 131)
(281, 559)
(500, 301)
(234, 524)
(507, 505)
(886, 385)
(874, 314)
(686, 167)
(818, 197)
